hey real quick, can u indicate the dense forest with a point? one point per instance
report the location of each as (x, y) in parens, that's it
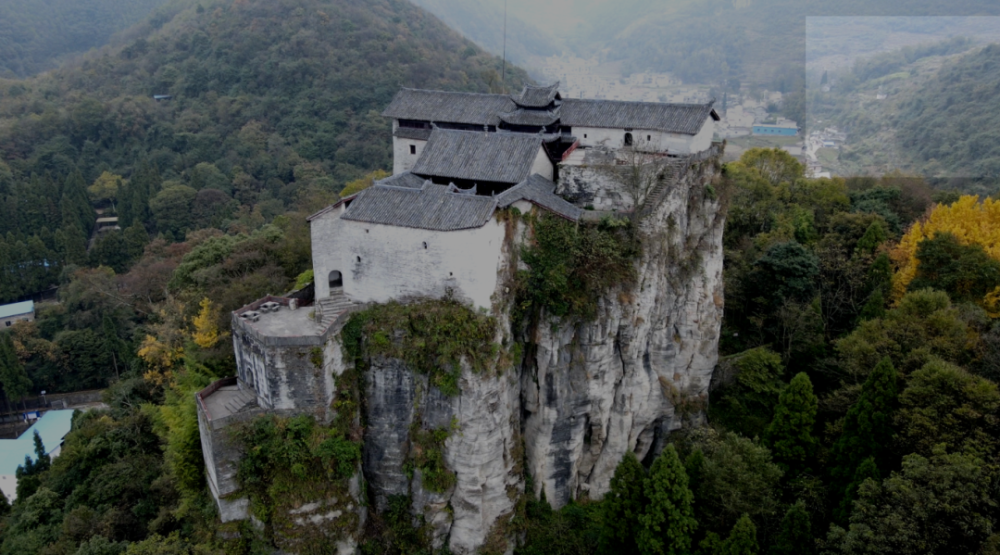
(35, 36)
(274, 106)
(854, 409)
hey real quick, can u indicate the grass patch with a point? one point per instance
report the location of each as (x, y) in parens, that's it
(571, 265)
(431, 337)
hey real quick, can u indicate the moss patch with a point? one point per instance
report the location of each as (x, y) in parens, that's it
(571, 265)
(430, 337)
(289, 462)
(427, 454)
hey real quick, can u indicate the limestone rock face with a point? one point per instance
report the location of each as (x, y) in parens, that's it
(595, 389)
(586, 392)
(481, 449)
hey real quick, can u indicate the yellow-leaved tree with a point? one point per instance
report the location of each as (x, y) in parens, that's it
(206, 330)
(970, 221)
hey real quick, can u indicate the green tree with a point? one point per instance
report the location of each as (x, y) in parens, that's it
(136, 240)
(965, 272)
(29, 474)
(790, 434)
(938, 505)
(867, 430)
(742, 539)
(111, 250)
(668, 522)
(172, 209)
(622, 506)
(942, 403)
(13, 377)
(795, 533)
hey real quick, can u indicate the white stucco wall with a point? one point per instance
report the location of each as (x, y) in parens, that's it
(402, 160)
(542, 165)
(380, 263)
(657, 141)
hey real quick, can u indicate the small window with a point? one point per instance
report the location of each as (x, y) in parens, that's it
(628, 139)
(649, 137)
(413, 149)
(584, 135)
(8, 323)
(336, 279)
(425, 244)
(359, 259)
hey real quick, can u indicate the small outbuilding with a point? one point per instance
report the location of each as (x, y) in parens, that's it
(16, 312)
(52, 427)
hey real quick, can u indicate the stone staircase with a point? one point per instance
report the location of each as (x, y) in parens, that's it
(329, 308)
(239, 399)
(671, 173)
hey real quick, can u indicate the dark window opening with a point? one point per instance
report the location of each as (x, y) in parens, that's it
(628, 139)
(649, 137)
(584, 135)
(336, 279)
(425, 244)
(359, 259)
(413, 149)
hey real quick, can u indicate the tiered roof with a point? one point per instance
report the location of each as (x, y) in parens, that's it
(478, 156)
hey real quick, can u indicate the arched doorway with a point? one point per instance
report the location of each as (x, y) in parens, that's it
(336, 280)
(628, 139)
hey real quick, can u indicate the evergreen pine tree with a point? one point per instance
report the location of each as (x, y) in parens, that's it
(622, 506)
(666, 526)
(867, 469)
(790, 435)
(28, 474)
(136, 240)
(795, 533)
(742, 539)
(867, 430)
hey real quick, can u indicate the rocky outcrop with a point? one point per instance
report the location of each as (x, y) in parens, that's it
(481, 449)
(586, 392)
(594, 389)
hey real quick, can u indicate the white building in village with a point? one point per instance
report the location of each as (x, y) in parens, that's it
(431, 229)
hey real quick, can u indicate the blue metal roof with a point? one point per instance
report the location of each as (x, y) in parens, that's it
(8, 310)
(52, 426)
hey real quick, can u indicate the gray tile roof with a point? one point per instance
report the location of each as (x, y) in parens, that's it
(413, 133)
(434, 207)
(531, 117)
(478, 156)
(405, 179)
(448, 107)
(541, 192)
(537, 97)
(685, 119)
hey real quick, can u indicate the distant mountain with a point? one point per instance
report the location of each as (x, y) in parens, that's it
(931, 110)
(483, 22)
(760, 42)
(36, 34)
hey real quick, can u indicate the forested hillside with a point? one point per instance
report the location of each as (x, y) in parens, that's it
(36, 35)
(275, 105)
(937, 116)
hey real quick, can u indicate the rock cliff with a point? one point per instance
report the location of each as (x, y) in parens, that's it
(584, 392)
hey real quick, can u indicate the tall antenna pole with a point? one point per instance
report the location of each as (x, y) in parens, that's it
(503, 77)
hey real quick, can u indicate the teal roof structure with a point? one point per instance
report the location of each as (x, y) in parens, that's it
(52, 427)
(15, 309)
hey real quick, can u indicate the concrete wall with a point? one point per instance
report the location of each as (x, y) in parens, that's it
(380, 263)
(11, 320)
(285, 378)
(402, 160)
(221, 457)
(657, 141)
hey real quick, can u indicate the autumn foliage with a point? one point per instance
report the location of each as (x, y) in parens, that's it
(970, 221)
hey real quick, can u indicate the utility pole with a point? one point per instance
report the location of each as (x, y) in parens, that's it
(503, 76)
